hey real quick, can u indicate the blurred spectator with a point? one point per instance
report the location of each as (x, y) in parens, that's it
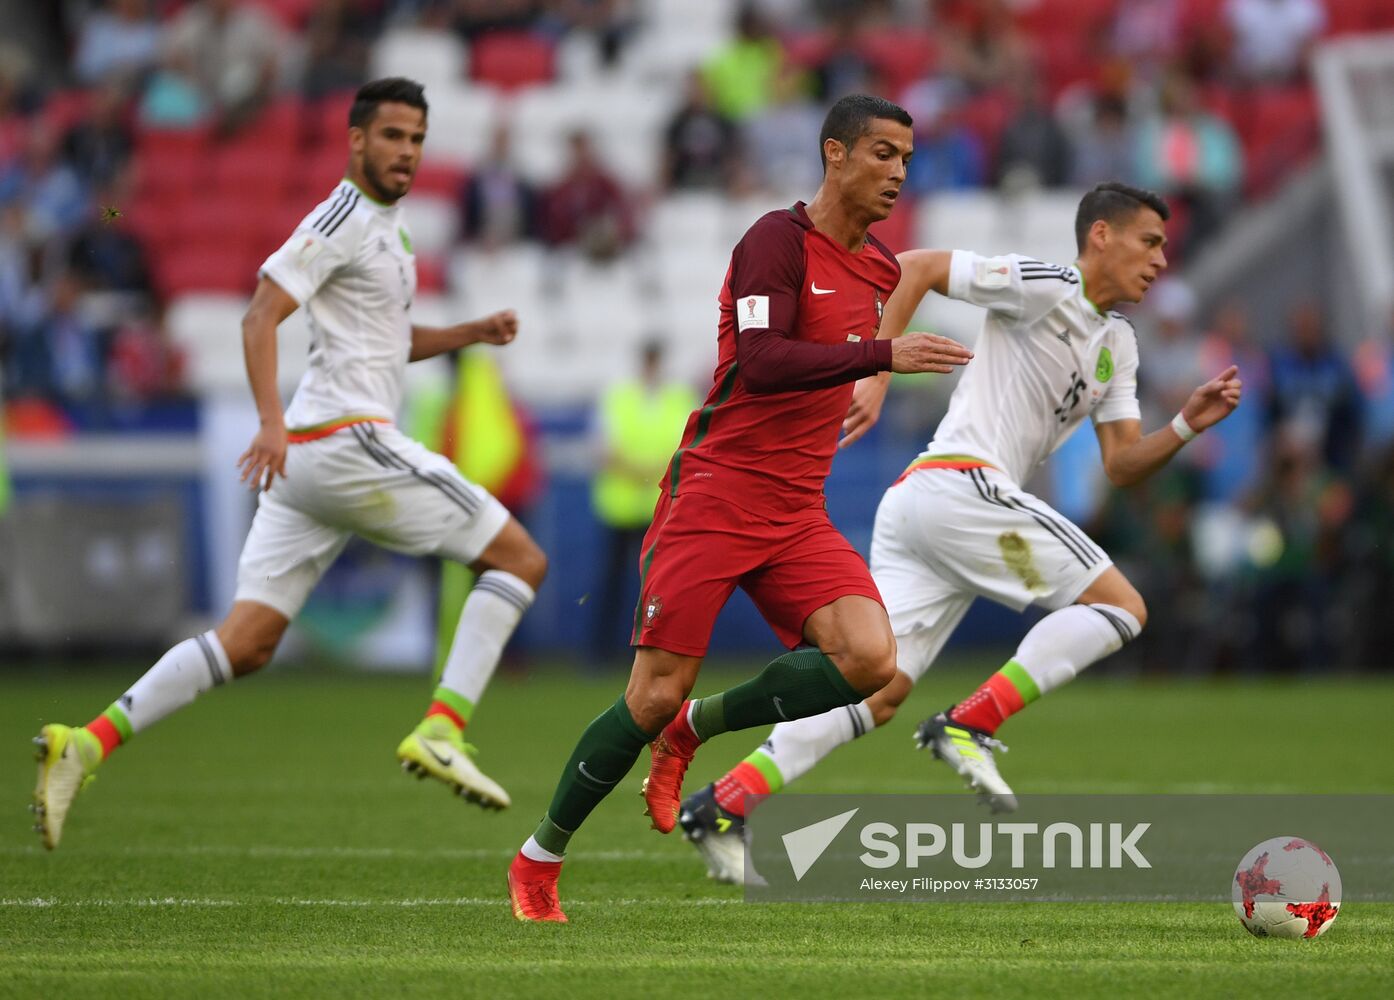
(1271, 37)
(1147, 33)
(781, 140)
(948, 157)
(99, 146)
(742, 75)
(1314, 391)
(471, 18)
(1103, 149)
(610, 22)
(1034, 148)
(21, 301)
(71, 346)
(1374, 371)
(142, 364)
(587, 208)
(337, 39)
(498, 206)
(981, 47)
(1172, 354)
(699, 145)
(50, 190)
(172, 99)
(841, 68)
(119, 43)
(1307, 509)
(234, 51)
(639, 422)
(104, 254)
(1371, 565)
(1234, 448)
(1191, 155)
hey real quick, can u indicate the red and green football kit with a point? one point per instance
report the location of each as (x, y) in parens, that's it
(743, 501)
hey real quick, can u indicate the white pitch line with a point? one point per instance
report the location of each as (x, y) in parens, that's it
(266, 851)
(39, 903)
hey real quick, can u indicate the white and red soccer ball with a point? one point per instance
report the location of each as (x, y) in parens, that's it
(1287, 887)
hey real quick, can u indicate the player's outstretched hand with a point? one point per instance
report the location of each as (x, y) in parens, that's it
(1214, 400)
(264, 457)
(927, 352)
(497, 328)
(867, 396)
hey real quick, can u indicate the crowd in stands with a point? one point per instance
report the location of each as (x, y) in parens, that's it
(134, 132)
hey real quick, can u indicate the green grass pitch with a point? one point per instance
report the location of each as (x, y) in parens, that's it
(263, 842)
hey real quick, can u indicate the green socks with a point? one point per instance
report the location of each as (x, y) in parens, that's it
(798, 684)
(603, 756)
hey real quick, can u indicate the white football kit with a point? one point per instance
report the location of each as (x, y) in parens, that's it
(349, 470)
(958, 524)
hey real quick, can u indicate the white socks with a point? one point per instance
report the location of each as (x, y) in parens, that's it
(188, 670)
(534, 851)
(490, 615)
(794, 747)
(1064, 642)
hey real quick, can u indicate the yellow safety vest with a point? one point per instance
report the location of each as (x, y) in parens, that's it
(644, 429)
(488, 439)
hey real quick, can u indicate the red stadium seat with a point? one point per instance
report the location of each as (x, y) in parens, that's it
(328, 120)
(65, 108)
(443, 179)
(171, 163)
(318, 173)
(1078, 17)
(430, 275)
(806, 48)
(1280, 129)
(291, 13)
(278, 125)
(512, 59)
(276, 222)
(902, 56)
(255, 172)
(211, 267)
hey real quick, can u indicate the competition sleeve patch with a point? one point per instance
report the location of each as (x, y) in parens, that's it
(753, 312)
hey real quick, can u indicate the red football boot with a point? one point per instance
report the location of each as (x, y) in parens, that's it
(670, 754)
(532, 889)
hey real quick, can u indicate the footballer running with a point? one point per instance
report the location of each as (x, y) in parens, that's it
(742, 503)
(334, 465)
(957, 524)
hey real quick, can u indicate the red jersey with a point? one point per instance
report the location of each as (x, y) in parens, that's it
(799, 318)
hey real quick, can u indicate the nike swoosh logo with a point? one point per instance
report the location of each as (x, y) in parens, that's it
(442, 761)
(780, 709)
(599, 781)
(821, 291)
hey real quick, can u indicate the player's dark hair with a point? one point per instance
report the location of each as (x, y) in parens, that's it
(392, 89)
(1114, 203)
(851, 117)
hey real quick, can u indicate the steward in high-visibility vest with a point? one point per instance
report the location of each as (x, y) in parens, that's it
(641, 423)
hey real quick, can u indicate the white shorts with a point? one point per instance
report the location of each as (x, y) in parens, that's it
(946, 536)
(369, 480)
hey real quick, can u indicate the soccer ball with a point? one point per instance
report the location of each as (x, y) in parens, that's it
(1287, 887)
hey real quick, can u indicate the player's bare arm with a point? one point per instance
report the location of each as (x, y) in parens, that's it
(920, 272)
(497, 328)
(266, 455)
(1129, 457)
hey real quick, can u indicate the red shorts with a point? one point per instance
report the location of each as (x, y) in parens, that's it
(700, 548)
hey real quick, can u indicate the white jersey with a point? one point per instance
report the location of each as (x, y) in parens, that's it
(349, 264)
(1046, 358)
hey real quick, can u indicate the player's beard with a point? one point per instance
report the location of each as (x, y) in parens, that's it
(381, 191)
